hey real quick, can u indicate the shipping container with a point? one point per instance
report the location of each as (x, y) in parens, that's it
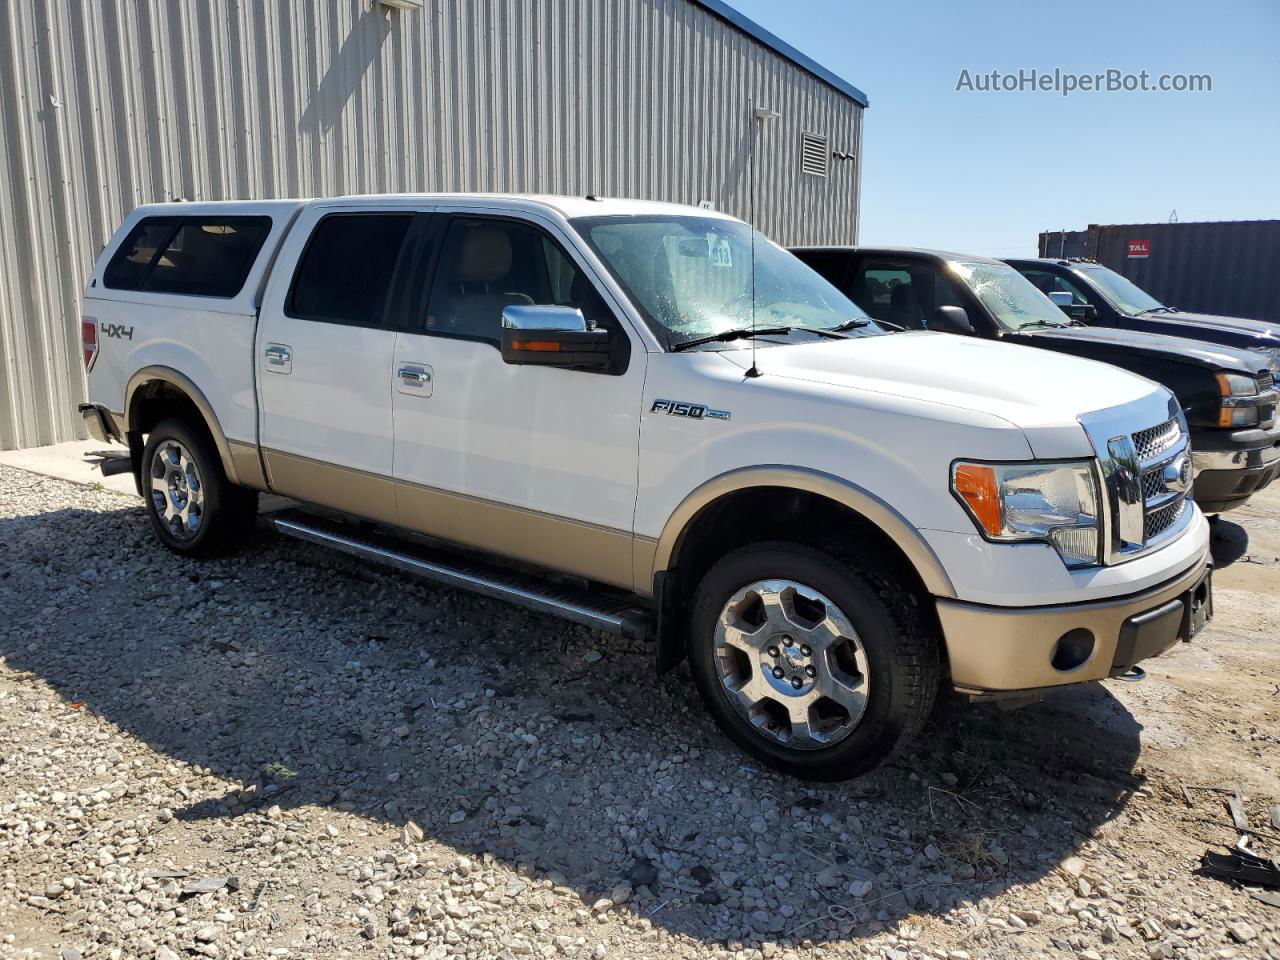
(1227, 267)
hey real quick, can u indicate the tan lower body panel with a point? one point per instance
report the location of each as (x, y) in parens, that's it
(995, 648)
(586, 550)
(597, 553)
(341, 488)
(247, 465)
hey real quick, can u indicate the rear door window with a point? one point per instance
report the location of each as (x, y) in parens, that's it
(191, 256)
(346, 269)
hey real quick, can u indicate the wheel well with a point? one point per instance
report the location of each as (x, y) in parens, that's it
(774, 513)
(159, 400)
(152, 402)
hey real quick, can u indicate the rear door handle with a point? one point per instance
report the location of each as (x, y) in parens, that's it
(415, 375)
(279, 358)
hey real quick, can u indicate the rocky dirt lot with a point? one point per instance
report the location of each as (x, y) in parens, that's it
(284, 754)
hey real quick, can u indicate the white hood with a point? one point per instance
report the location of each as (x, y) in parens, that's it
(1042, 392)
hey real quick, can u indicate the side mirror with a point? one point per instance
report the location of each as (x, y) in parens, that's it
(1062, 299)
(552, 336)
(950, 320)
(1090, 313)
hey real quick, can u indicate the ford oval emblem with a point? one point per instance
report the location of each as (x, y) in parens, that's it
(1177, 475)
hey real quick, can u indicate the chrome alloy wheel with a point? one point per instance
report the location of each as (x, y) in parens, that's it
(176, 489)
(792, 664)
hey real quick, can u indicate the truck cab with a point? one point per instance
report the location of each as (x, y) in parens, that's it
(651, 420)
(1227, 394)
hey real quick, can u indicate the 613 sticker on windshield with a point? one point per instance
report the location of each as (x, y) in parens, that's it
(693, 411)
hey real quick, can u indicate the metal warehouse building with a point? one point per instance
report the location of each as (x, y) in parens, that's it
(110, 104)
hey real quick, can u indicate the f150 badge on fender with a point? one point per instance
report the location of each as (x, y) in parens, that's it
(694, 411)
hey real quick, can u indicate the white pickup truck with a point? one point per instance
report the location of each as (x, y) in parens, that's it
(650, 419)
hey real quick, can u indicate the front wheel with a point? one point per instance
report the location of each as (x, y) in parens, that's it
(194, 508)
(815, 666)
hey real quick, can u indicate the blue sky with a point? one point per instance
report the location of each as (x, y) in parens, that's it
(985, 172)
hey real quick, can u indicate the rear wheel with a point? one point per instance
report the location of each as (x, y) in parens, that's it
(194, 508)
(816, 667)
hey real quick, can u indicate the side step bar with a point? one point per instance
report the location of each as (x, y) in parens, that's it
(607, 611)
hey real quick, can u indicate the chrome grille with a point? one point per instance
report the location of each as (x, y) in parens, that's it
(1145, 476)
(1265, 381)
(1153, 484)
(1154, 441)
(1161, 519)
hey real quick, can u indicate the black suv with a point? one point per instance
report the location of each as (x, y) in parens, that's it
(1228, 394)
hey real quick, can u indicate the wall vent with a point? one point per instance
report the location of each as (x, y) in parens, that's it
(814, 154)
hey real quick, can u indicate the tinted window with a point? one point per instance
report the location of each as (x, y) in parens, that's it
(1049, 283)
(346, 269)
(486, 265)
(193, 256)
(208, 258)
(902, 293)
(131, 262)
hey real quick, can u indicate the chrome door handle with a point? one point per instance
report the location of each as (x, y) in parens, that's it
(278, 356)
(414, 375)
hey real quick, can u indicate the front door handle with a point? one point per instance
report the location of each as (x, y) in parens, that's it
(415, 375)
(279, 358)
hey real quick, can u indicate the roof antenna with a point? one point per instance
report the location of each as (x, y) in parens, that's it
(762, 115)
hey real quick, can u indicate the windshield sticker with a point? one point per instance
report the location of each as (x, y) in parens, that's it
(721, 254)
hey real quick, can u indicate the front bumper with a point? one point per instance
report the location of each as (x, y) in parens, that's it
(999, 650)
(1227, 478)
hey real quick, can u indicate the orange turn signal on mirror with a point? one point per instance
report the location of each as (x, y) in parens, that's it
(976, 485)
(540, 346)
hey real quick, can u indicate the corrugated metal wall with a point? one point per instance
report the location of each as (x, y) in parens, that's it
(1227, 267)
(105, 104)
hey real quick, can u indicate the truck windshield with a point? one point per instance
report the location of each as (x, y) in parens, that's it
(1011, 298)
(1125, 295)
(691, 277)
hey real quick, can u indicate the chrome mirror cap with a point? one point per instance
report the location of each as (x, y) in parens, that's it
(551, 317)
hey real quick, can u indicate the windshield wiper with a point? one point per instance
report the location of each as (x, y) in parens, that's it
(727, 335)
(1044, 323)
(1159, 309)
(853, 323)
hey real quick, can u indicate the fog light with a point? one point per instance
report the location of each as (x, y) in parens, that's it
(1072, 649)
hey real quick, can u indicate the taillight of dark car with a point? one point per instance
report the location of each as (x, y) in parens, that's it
(89, 341)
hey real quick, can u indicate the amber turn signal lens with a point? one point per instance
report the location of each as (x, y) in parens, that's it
(541, 346)
(976, 485)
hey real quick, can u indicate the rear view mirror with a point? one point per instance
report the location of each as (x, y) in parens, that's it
(552, 336)
(950, 320)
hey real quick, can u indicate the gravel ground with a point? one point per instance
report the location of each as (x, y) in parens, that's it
(285, 754)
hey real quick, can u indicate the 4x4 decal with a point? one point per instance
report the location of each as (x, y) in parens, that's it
(694, 411)
(117, 331)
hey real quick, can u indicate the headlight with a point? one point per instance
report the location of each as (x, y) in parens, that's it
(1242, 401)
(1056, 503)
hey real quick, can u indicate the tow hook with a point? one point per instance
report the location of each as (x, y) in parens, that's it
(1133, 675)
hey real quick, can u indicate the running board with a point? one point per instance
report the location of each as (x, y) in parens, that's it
(608, 611)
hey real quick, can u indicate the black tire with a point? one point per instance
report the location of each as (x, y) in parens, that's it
(226, 512)
(902, 658)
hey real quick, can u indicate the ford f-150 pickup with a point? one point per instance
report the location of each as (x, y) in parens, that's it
(650, 419)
